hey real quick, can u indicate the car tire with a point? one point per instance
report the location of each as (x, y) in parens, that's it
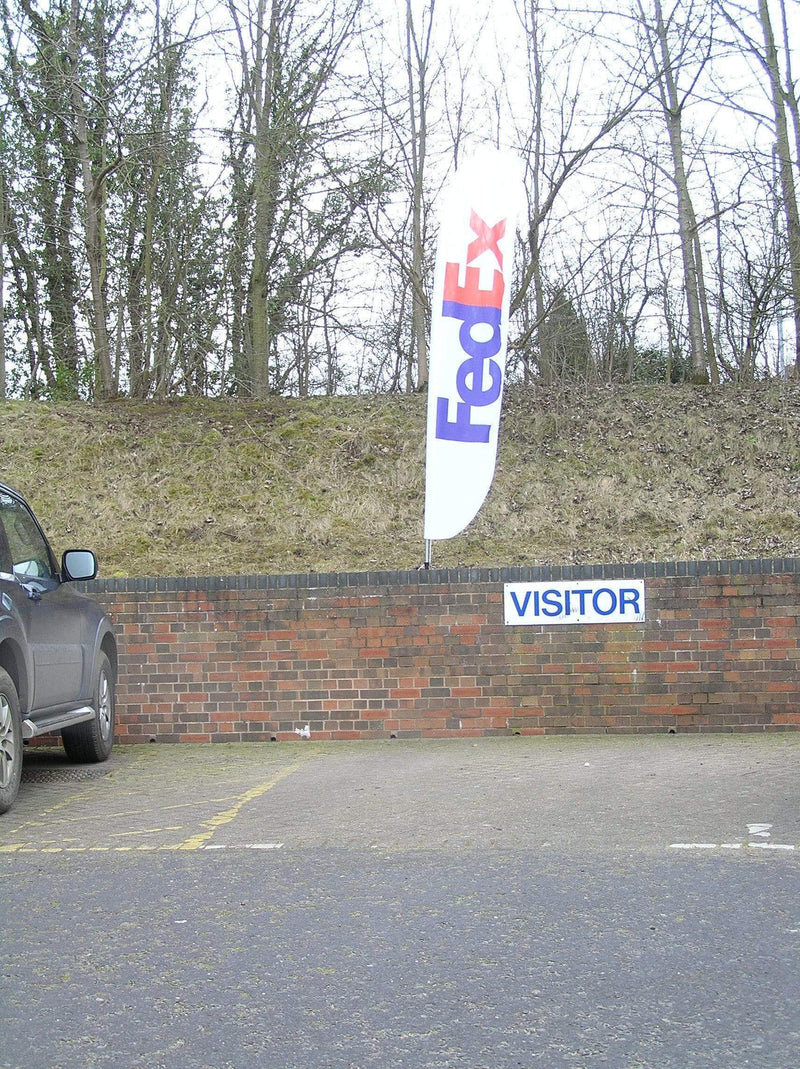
(91, 741)
(10, 742)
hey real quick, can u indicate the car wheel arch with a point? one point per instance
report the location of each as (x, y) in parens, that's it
(108, 646)
(12, 660)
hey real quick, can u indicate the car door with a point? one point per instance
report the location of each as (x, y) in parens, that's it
(44, 607)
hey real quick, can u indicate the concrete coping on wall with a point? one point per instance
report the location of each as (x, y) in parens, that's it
(450, 576)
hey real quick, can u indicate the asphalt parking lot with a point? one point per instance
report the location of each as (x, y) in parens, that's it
(625, 901)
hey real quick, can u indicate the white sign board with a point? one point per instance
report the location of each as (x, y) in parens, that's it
(603, 601)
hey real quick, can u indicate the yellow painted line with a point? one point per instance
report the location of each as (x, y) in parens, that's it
(163, 848)
(122, 815)
(80, 793)
(194, 842)
(197, 842)
(146, 831)
(41, 822)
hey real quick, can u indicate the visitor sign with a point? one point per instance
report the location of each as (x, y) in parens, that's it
(603, 601)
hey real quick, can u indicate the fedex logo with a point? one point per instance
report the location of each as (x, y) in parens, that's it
(479, 378)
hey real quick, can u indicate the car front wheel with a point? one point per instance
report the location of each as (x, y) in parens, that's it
(92, 741)
(10, 742)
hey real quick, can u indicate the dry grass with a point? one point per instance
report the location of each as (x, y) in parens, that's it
(584, 476)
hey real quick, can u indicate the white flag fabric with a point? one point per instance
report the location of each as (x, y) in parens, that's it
(469, 334)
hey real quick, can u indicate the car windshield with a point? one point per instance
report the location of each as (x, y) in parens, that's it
(22, 546)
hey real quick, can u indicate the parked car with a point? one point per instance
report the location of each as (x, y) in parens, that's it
(58, 651)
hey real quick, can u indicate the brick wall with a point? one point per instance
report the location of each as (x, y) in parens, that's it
(414, 654)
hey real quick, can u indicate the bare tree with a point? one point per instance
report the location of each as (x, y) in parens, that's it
(288, 54)
(41, 177)
(406, 63)
(784, 97)
(418, 60)
(70, 78)
(681, 43)
(96, 164)
(558, 134)
(2, 285)
(167, 234)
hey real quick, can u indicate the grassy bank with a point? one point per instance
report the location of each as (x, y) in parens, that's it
(336, 484)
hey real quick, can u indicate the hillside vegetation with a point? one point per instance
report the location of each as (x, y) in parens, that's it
(336, 484)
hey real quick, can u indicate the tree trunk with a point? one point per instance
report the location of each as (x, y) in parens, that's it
(783, 149)
(417, 74)
(546, 369)
(93, 190)
(2, 286)
(687, 226)
(264, 193)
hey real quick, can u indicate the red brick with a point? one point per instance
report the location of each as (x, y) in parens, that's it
(713, 655)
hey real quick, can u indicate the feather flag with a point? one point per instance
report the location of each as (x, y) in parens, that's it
(469, 334)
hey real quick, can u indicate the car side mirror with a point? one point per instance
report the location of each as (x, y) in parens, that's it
(79, 564)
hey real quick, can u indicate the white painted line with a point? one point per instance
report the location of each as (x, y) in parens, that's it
(241, 846)
(732, 846)
(693, 846)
